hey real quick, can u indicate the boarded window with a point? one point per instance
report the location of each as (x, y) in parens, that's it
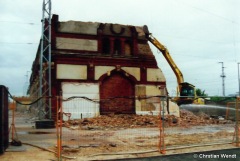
(117, 47)
(106, 46)
(111, 91)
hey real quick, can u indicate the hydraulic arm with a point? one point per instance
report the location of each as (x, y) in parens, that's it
(186, 91)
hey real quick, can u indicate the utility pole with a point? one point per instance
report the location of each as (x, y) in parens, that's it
(223, 77)
(238, 81)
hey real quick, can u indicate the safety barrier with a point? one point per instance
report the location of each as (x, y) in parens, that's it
(81, 125)
(85, 130)
(152, 131)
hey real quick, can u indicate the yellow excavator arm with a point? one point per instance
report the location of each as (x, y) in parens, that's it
(165, 53)
(186, 90)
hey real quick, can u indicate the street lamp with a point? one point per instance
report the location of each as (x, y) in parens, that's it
(238, 81)
(223, 76)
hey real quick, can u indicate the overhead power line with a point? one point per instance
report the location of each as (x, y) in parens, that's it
(19, 43)
(208, 12)
(20, 22)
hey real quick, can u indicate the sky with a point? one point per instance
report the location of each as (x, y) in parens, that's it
(198, 34)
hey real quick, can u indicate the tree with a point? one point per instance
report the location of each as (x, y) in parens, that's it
(199, 92)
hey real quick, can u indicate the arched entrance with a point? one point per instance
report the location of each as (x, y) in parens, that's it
(112, 90)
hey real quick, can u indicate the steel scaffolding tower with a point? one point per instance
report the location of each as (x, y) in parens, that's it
(45, 63)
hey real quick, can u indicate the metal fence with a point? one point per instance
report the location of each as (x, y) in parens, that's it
(154, 127)
(83, 129)
(214, 123)
(88, 134)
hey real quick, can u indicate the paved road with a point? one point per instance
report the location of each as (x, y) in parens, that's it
(217, 155)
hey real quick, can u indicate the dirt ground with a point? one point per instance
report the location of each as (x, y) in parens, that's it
(119, 136)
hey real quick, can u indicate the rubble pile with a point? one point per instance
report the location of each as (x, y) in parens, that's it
(189, 118)
(120, 121)
(113, 121)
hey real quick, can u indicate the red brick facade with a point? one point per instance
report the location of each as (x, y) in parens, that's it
(117, 57)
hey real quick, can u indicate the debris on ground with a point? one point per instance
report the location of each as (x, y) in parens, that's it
(116, 121)
(189, 118)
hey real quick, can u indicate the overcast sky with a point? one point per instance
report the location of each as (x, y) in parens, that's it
(198, 33)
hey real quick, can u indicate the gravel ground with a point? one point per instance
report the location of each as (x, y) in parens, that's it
(89, 141)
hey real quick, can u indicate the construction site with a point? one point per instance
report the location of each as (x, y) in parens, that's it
(207, 129)
(96, 92)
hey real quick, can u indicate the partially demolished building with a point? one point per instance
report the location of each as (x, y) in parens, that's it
(101, 61)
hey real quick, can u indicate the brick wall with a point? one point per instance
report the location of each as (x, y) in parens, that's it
(117, 85)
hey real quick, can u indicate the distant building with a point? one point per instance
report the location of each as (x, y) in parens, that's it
(99, 61)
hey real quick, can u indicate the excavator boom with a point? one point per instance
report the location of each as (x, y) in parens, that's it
(186, 90)
(166, 54)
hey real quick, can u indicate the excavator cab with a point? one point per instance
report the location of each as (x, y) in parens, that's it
(187, 90)
(186, 94)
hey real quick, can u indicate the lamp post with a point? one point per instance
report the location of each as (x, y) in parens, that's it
(223, 76)
(238, 81)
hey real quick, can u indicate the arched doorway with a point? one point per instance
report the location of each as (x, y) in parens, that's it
(112, 90)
